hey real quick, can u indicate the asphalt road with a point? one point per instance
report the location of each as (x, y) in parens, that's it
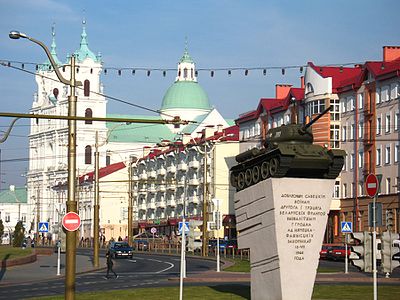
(141, 271)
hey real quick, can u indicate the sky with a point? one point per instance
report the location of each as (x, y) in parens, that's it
(151, 34)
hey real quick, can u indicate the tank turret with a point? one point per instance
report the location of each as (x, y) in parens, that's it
(288, 152)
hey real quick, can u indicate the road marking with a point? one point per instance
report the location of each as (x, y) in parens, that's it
(132, 260)
(171, 266)
(152, 259)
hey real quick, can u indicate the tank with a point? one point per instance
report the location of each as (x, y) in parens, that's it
(288, 152)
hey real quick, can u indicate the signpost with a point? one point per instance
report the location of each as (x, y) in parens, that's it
(372, 188)
(71, 221)
(347, 227)
(44, 227)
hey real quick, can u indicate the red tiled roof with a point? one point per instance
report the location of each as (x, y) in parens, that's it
(102, 172)
(338, 74)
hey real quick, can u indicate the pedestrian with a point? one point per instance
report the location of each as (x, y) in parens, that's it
(110, 265)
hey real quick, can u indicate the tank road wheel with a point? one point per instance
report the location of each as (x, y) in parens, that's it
(273, 166)
(248, 177)
(256, 174)
(264, 170)
(240, 181)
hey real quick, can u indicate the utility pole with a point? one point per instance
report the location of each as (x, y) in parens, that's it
(205, 206)
(133, 160)
(96, 220)
(37, 213)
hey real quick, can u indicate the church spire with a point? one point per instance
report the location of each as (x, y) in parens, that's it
(186, 67)
(46, 65)
(84, 51)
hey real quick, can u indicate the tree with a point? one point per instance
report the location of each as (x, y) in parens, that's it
(19, 234)
(1, 230)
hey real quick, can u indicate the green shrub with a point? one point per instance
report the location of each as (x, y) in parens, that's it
(19, 234)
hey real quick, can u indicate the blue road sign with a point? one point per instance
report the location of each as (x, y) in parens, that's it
(347, 227)
(43, 226)
(186, 227)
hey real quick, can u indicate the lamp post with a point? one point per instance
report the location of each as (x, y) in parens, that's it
(70, 263)
(133, 159)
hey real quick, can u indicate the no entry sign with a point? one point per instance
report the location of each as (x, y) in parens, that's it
(371, 185)
(71, 221)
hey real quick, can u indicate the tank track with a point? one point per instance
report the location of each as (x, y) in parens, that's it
(335, 168)
(242, 181)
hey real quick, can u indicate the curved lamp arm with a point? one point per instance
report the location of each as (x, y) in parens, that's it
(5, 136)
(16, 35)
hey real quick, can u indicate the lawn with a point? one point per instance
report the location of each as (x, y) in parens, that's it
(9, 252)
(221, 292)
(239, 266)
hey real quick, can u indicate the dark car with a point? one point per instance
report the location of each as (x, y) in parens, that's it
(232, 244)
(121, 249)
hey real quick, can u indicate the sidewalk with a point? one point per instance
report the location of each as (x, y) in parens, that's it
(45, 268)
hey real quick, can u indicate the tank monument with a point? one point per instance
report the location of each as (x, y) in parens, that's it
(282, 200)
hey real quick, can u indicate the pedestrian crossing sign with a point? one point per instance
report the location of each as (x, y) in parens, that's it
(347, 227)
(180, 225)
(43, 226)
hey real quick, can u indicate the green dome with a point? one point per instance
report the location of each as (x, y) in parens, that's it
(185, 94)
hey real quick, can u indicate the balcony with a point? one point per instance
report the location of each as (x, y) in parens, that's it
(181, 183)
(161, 204)
(161, 172)
(143, 191)
(161, 188)
(194, 164)
(142, 206)
(194, 200)
(143, 176)
(171, 187)
(194, 182)
(208, 179)
(151, 205)
(152, 189)
(135, 178)
(134, 193)
(171, 203)
(171, 169)
(208, 161)
(152, 174)
(182, 167)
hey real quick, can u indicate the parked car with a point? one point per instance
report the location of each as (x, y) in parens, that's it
(324, 251)
(231, 244)
(338, 253)
(120, 249)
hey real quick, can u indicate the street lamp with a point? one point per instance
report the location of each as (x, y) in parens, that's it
(70, 262)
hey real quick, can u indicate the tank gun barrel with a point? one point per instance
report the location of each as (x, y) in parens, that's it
(309, 124)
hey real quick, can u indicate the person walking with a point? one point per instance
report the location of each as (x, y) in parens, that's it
(110, 265)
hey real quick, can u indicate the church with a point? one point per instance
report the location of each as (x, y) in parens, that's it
(119, 145)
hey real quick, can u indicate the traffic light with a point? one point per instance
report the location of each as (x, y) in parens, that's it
(194, 236)
(388, 250)
(389, 219)
(361, 254)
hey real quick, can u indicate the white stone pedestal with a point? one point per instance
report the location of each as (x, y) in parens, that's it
(282, 221)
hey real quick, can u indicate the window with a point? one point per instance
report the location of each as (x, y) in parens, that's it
(88, 114)
(396, 121)
(88, 155)
(378, 156)
(185, 73)
(352, 189)
(378, 96)
(258, 129)
(310, 88)
(86, 88)
(344, 190)
(388, 187)
(344, 133)
(378, 125)
(335, 109)
(55, 93)
(351, 103)
(385, 93)
(315, 107)
(360, 129)
(7, 217)
(108, 159)
(352, 130)
(387, 154)
(345, 164)
(352, 157)
(334, 136)
(393, 91)
(360, 100)
(387, 124)
(360, 189)
(360, 159)
(396, 153)
(344, 103)
(336, 192)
